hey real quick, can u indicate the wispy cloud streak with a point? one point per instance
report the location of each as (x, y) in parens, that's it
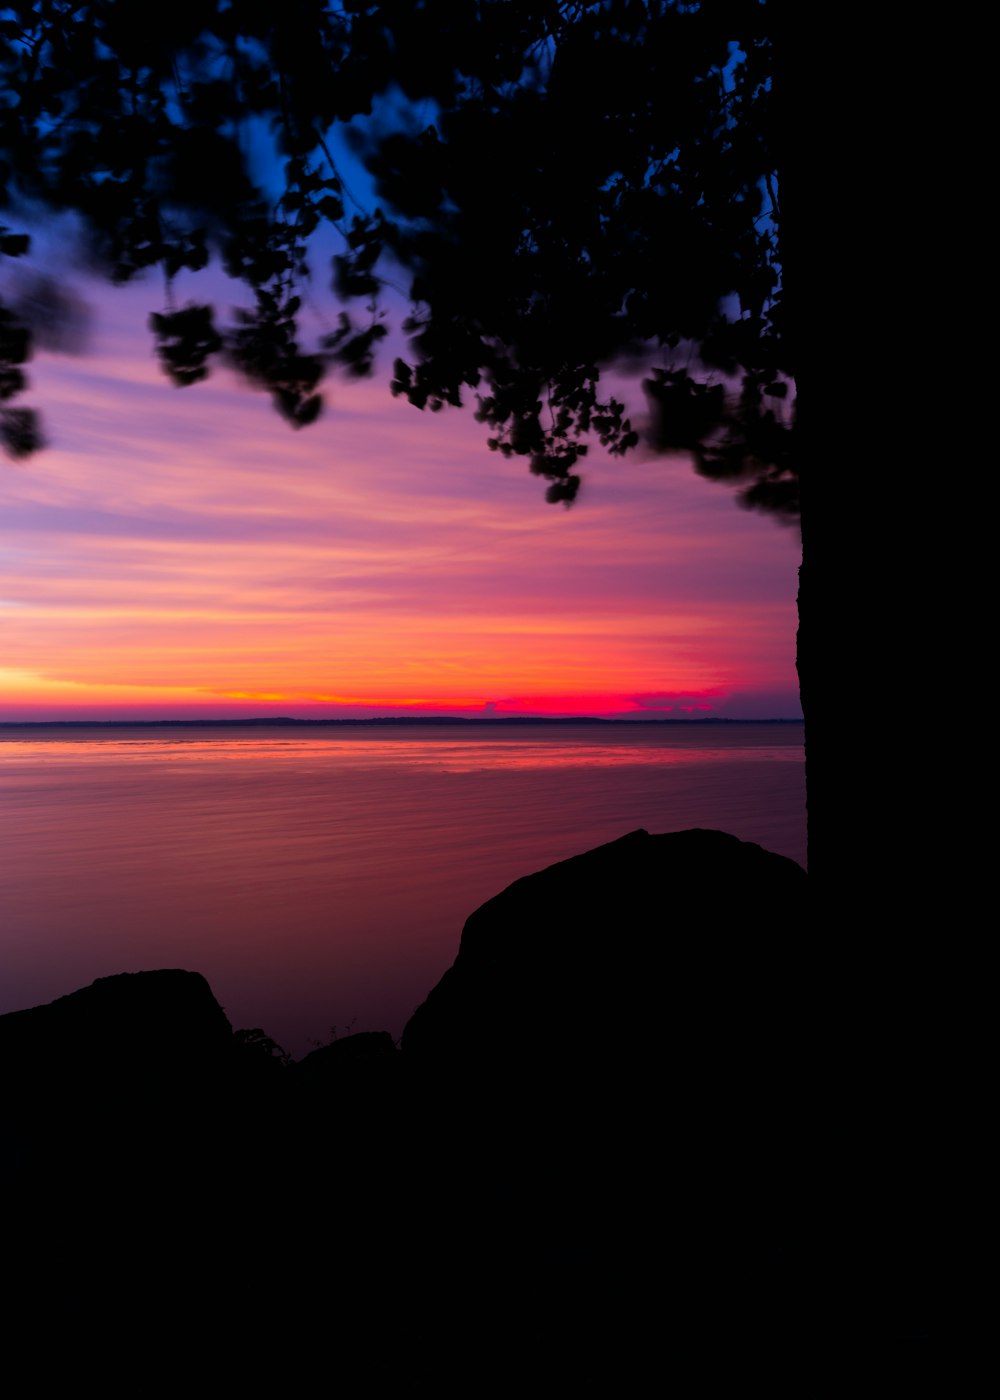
(184, 547)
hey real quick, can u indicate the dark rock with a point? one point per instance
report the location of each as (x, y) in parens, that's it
(367, 1052)
(144, 1032)
(673, 944)
(349, 1049)
(350, 1109)
(618, 1046)
(358, 1081)
(607, 1076)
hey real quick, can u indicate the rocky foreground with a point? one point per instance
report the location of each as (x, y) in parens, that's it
(607, 1139)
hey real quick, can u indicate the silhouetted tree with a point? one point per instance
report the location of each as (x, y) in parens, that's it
(701, 187)
(563, 185)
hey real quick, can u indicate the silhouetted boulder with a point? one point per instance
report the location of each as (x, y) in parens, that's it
(618, 1055)
(350, 1108)
(670, 944)
(363, 1055)
(645, 996)
(143, 1032)
(356, 1079)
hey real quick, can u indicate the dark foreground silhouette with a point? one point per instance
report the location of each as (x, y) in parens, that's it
(608, 1141)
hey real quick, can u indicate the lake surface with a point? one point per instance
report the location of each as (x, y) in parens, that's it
(320, 878)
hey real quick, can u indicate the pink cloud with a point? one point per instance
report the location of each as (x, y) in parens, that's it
(184, 547)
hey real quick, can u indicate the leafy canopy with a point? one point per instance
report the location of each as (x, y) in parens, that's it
(563, 186)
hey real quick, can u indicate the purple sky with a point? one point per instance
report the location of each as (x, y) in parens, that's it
(185, 553)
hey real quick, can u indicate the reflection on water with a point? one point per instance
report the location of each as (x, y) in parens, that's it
(438, 749)
(322, 878)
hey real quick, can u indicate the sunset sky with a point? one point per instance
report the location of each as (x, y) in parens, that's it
(184, 553)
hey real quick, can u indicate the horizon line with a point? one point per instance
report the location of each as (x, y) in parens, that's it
(392, 719)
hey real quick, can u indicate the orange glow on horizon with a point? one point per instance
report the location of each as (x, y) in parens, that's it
(181, 550)
(23, 691)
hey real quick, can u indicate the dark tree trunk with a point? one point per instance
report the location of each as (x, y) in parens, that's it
(851, 169)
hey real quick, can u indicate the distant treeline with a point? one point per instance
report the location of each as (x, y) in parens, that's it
(492, 721)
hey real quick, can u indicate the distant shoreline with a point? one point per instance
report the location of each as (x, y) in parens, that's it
(486, 721)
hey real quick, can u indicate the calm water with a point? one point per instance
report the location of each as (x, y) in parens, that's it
(321, 878)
